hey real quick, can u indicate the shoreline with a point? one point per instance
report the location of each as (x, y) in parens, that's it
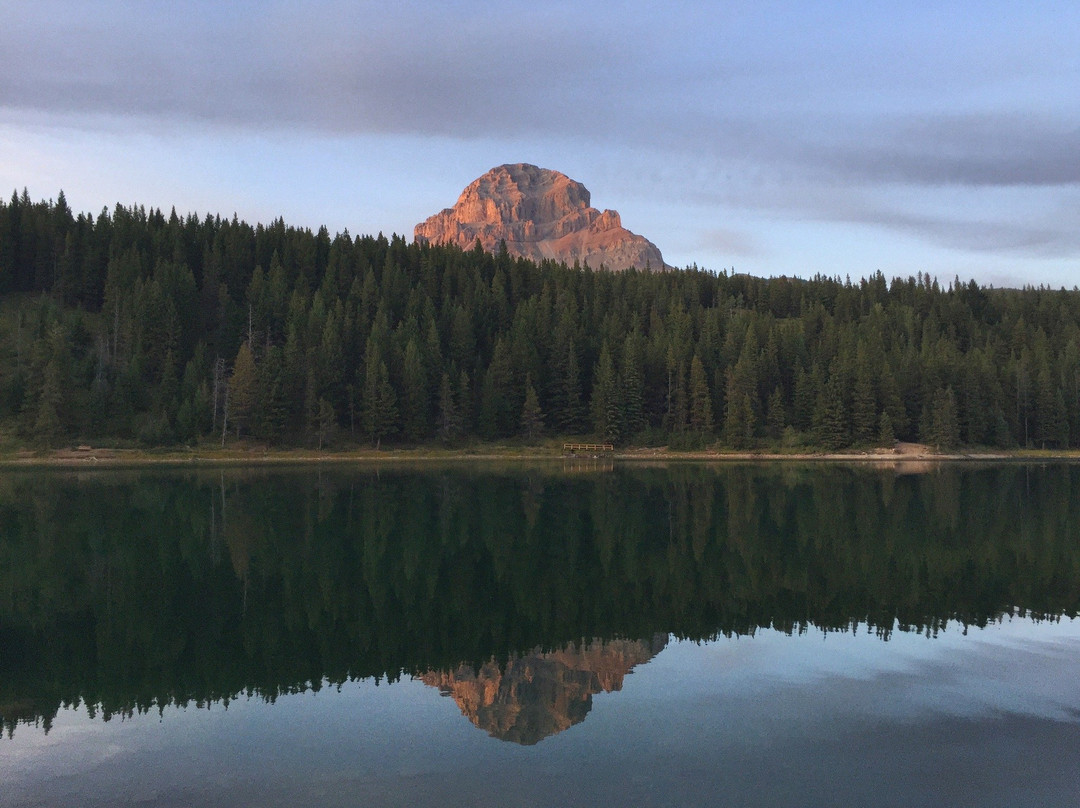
(99, 457)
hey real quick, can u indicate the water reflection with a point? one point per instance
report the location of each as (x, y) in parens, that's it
(979, 717)
(130, 592)
(541, 693)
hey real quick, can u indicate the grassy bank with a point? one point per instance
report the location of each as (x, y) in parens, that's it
(255, 454)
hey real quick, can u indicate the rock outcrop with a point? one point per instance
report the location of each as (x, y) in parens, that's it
(540, 214)
(540, 694)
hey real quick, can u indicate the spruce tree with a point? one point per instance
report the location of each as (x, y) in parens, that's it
(864, 411)
(774, 414)
(48, 428)
(465, 402)
(886, 435)
(1051, 423)
(740, 422)
(327, 423)
(605, 398)
(944, 431)
(532, 418)
(498, 408)
(830, 417)
(449, 419)
(415, 401)
(242, 387)
(379, 406)
(572, 417)
(701, 414)
(742, 383)
(807, 392)
(631, 386)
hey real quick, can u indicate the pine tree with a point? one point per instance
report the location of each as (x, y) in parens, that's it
(532, 418)
(242, 384)
(465, 402)
(449, 418)
(415, 401)
(379, 407)
(169, 389)
(311, 405)
(886, 435)
(701, 414)
(891, 402)
(1051, 422)
(572, 417)
(944, 430)
(807, 392)
(48, 424)
(864, 401)
(327, 423)
(605, 398)
(678, 401)
(740, 424)
(632, 386)
(830, 418)
(498, 408)
(774, 414)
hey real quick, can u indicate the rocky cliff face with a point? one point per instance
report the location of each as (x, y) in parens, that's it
(540, 214)
(541, 694)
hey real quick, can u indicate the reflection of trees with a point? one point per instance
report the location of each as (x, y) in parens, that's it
(131, 590)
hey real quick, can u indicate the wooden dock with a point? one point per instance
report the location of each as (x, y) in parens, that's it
(587, 448)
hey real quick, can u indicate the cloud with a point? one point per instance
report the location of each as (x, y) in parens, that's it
(1003, 149)
(905, 121)
(985, 236)
(334, 68)
(725, 241)
(727, 84)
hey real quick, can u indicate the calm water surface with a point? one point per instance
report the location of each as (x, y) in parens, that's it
(571, 635)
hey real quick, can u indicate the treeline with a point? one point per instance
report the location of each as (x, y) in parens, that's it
(136, 325)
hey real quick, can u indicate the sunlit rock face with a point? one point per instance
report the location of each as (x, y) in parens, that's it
(540, 694)
(540, 214)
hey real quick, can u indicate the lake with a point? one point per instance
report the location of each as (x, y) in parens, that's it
(569, 633)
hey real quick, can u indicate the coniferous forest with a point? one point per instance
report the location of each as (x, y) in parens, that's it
(137, 327)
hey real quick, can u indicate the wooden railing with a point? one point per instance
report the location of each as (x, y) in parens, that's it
(574, 448)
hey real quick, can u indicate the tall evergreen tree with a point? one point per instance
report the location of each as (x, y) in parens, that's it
(449, 417)
(415, 400)
(48, 427)
(242, 388)
(571, 416)
(1051, 423)
(830, 416)
(499, 405)
(701, 414)
(775, 420)
(864, 411)
(944, 430)
(740, 421)
(632, 386)
(532, 418)
(379, 412)
(605, 398)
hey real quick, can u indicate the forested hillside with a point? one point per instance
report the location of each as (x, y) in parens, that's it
(140, 326)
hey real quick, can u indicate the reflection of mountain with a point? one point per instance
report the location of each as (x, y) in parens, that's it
(540, 694)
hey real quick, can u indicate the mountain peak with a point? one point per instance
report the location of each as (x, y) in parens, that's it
(540, 214)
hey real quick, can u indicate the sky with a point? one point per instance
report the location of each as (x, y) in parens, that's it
(772, 138)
